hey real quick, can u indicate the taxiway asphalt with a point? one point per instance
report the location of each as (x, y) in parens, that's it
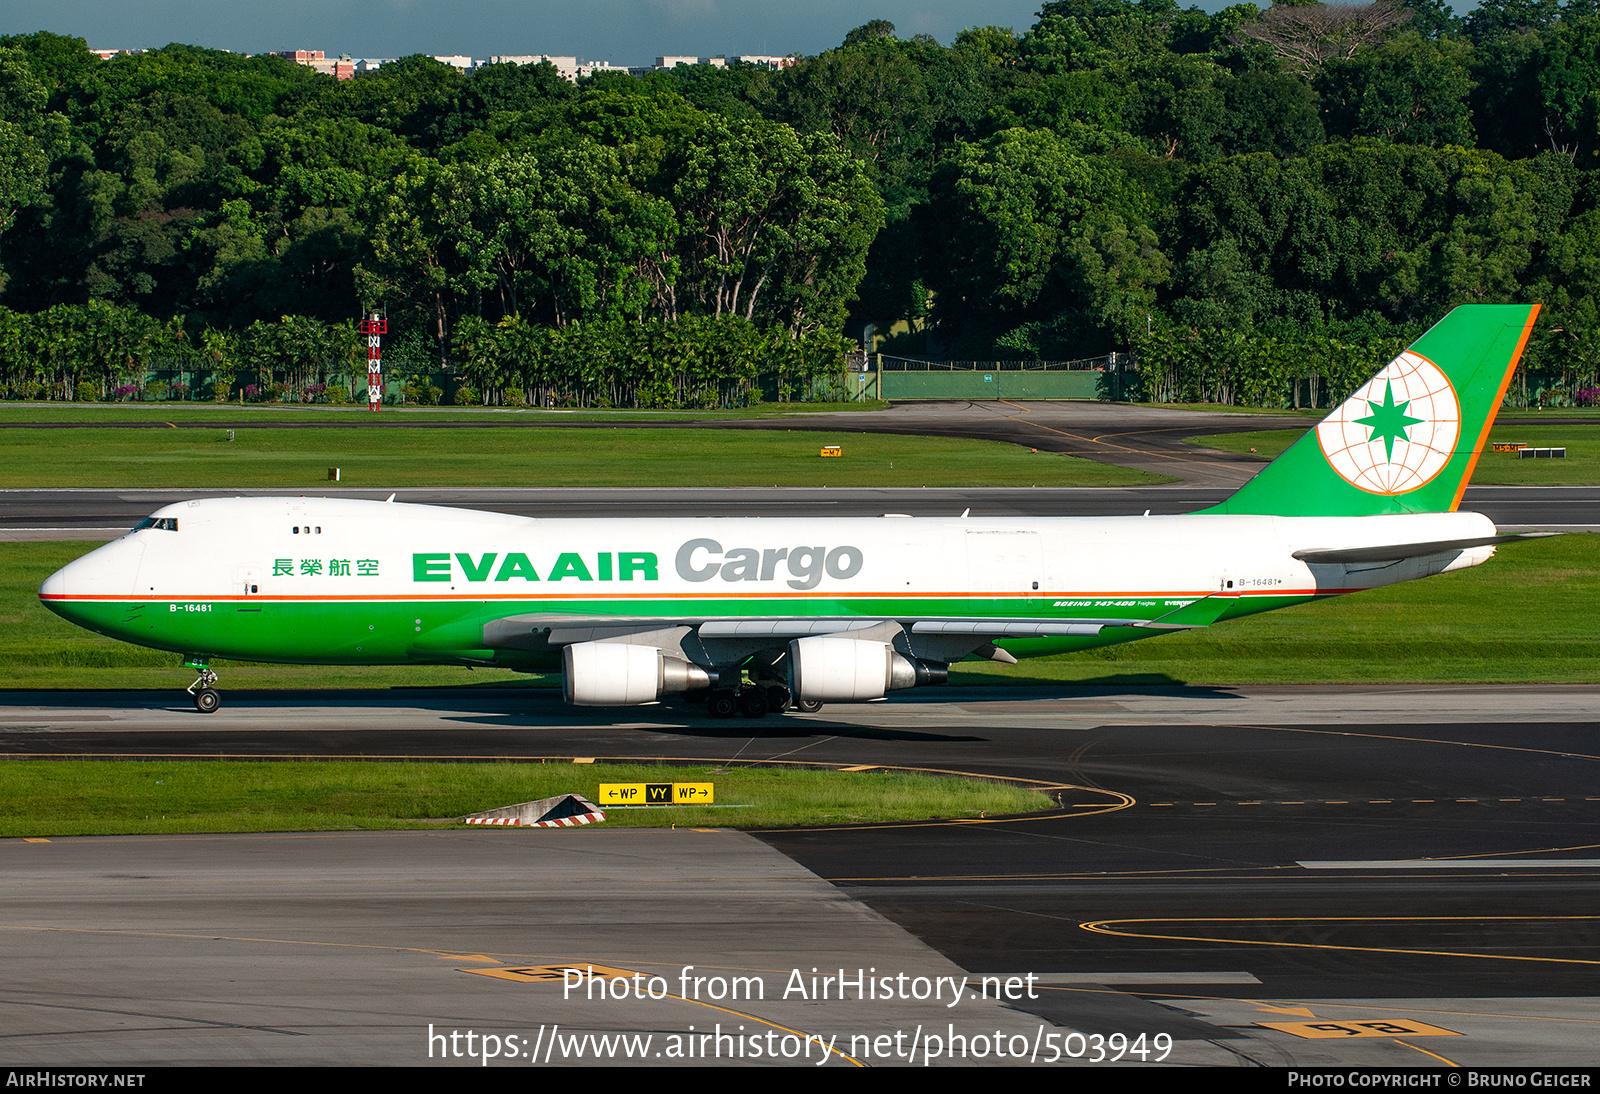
(1232, 867)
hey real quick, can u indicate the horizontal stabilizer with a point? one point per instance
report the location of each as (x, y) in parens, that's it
(1398, 552)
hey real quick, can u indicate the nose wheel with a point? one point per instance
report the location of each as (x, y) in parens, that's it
(206, 698)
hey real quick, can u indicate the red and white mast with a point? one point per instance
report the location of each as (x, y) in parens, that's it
(374, 328)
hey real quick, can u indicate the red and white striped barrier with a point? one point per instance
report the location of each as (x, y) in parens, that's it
(562, 811)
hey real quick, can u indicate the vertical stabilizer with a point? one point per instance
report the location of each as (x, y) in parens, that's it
(1408, 439)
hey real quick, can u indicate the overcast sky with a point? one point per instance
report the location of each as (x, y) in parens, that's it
(622, 31)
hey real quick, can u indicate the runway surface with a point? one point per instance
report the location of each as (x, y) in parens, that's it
(105, 514)
(1421, 860)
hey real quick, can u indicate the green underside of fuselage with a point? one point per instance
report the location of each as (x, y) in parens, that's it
(450, 632)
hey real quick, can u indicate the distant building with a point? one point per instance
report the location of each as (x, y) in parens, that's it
(674, 62)
(107, 54)
(568, 67)
(720, 62)
(571, 69)
(341, 68)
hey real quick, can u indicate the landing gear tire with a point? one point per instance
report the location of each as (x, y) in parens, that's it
(778, 699)
(753, 703)
(206, 699)
(808, 706)
(722, 704)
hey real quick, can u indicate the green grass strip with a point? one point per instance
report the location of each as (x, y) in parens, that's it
(45, 798)
(94, 413)
(1526, 615)
(299, 459)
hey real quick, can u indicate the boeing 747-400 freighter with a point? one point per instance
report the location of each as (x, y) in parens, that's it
(759, 614)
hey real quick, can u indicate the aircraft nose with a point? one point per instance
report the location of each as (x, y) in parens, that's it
(111, 571)
(56, 593)
(54, 585)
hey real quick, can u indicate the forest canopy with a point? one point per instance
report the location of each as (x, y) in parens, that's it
(1122, 175)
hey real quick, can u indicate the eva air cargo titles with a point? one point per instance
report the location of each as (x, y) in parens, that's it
(760, 614)
(697, 560)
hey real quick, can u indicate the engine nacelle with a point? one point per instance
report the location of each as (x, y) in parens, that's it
(616, 674)
(841, 670)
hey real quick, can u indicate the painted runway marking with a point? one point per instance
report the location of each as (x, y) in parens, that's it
(1352, 801)
(543, 974)
(1454, 864)
(1388, 1027)
(1118, 928)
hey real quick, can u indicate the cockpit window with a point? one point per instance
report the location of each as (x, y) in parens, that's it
(165, 524)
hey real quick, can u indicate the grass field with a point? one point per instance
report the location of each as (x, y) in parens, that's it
(93, 797)
(1580, 468)
(93, 413)
(1526, 615)
(298, 459)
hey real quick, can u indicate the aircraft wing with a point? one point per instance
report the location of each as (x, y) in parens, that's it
(613, 659)
(528, 631)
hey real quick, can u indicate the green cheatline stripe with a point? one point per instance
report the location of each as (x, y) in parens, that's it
(388, 632)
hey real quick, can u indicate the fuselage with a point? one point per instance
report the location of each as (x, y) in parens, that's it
(338, 581)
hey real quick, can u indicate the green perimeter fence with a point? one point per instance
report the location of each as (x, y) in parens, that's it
(908, 379)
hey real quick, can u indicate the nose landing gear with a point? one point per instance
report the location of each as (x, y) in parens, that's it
(206, 698)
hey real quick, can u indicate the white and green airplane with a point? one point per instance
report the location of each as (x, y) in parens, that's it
(757, 614)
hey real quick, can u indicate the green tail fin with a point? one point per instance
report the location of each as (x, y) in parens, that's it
(1407, 440)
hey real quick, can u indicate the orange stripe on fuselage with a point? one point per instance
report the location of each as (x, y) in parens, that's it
(482, 597)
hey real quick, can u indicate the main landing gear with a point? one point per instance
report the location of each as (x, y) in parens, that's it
(756, 701)
(206, 698)
(751, 701)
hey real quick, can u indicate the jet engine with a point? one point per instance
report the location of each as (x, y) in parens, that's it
(616, 674)
(828, 669)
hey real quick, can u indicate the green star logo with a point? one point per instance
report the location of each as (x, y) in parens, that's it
(1388, 421)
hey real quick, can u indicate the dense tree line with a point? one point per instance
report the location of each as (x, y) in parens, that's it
(1252, 201)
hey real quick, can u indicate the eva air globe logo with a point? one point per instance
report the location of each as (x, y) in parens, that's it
(1395, 434)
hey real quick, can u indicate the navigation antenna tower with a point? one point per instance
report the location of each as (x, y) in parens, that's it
(374, 328)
